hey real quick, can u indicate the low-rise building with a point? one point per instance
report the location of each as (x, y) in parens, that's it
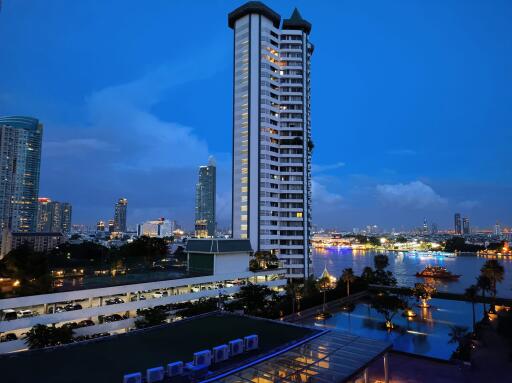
(40, 242)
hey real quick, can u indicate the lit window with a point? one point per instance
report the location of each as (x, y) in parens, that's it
(299, 214)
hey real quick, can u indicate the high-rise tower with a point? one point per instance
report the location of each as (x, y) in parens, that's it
(205, 200)
(20, 161)
(272, 134)
(120, 215)
(458, 224)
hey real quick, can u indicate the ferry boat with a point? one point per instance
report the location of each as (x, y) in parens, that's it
(437, 272)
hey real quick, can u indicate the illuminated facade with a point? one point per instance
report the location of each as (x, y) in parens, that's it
(53, 216)
(120, 215)
(205, 200)
(158, 228)
(272, 134)
(20, 161)
(458, 224)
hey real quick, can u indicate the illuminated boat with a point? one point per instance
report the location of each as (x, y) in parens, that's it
(436, 272)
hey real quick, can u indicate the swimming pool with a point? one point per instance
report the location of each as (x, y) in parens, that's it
(427, 334)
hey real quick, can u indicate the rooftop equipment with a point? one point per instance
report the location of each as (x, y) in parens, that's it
(236, 347)
(136, 377)
(220, 353)
(175, 369)
(251, 342)
(155, 374)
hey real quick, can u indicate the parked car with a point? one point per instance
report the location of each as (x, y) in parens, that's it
(70, 325)
(86, 323)
(72, 307)
(112, 318)
(8, 337)
(58, 309)
(25, 313)
(9, 314)
(114, 301)
(157, 294)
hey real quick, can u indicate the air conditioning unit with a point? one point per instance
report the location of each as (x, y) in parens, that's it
(175, 369)
(236, 347)
(220, 353)
(155, 374)
(133, 378)
(203, 358)
(251, 342)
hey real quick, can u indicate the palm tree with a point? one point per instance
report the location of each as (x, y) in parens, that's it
(484, 284)
(323, 285)
(293, 291)
(471, 294)
(493, 270)
(348, 277)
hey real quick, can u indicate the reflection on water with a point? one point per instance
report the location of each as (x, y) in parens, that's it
(405, 265)
(427, 334)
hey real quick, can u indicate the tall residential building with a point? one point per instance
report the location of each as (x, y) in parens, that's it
(53, 216)
(120, 215)
(465, 226)
(205, 200)
(497, 229)
(272, 134)
(20, 161)
(458, 224)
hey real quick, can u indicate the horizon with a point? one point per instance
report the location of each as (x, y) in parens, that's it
(421, 121)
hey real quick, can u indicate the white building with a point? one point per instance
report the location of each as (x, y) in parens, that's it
(220, 267)
(271, 134)
(158, 228)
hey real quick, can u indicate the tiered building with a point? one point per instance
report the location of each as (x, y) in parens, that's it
(272, 134)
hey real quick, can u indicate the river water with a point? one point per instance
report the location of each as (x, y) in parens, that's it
(404, 266)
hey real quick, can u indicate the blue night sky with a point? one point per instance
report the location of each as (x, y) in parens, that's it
(411, 105)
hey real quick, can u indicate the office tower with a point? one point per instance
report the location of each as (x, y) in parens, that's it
(111, 226)
(205, 200)
(465, 226)
(53, 216)
(458, 224)
(272, 134)
(20, 160)
(160, 228)
(497, 229)
(425, 226)
(100, 226)
(120, 215)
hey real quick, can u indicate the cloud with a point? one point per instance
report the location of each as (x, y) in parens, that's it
(402, 152)
(76, 145)
(323, 168)
(322, 196)
(415, 194)
(468, 204)
(127, 150)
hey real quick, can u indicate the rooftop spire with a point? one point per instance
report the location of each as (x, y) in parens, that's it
(297, 22)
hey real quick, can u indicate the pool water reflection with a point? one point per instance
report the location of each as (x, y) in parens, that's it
(427, 334)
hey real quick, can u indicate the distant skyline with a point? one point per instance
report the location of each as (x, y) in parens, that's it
(411, 106)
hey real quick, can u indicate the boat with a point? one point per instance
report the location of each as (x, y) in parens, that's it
(437, 272)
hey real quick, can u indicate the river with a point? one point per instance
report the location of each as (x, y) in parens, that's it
(404, 266)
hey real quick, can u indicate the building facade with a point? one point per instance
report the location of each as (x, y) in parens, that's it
(20, 161)
(465, 226)
(53, 216)
(120, 215)
(39, 242)
(272, 134)
(159, 228)
(458, 224)
(205, 200)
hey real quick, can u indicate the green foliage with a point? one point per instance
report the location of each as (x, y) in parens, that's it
(41, 336)
(494, 271)
(153, 316)
(367, 275)
(423, 291)
(387, 304)
(347, 277)
(401, 239)
(459, 244)
(262, 260)
(255, 300)
(180, 254)
(202, 306)
(79, 255)
(146, 248)
(461, 336)
(381, 261)
(374, 241)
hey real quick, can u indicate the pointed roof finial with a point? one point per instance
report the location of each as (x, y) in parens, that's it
(297, 22)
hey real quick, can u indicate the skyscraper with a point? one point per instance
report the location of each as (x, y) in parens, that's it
(120, 215)
(205, 200)
(458, 224)
(272, 134)
(497, 229)
(20, 161)
(53, 216)
(465, 226)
